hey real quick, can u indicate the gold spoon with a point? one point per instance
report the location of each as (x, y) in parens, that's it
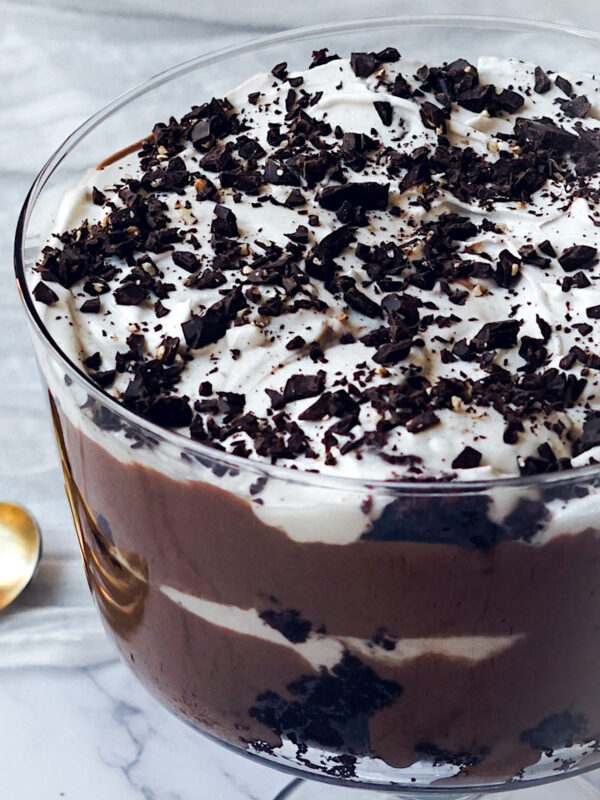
(20, 551)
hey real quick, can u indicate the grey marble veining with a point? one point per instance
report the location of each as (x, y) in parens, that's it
(74, 722)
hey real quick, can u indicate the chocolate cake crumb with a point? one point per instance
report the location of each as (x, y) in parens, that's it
(462, 521)
(289, 623)
(331, 709)
(441, 757)
(557, 730)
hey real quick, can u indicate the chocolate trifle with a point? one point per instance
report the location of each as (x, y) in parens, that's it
(364, 299)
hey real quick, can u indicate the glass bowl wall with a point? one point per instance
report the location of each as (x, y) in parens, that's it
(414, 636)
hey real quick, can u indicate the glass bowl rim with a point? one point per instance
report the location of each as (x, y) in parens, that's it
(428, 486)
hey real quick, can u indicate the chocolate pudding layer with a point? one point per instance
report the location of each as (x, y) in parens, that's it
(333, 279)
(403, 656)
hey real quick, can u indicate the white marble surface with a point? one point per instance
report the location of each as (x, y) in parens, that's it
(74, 723)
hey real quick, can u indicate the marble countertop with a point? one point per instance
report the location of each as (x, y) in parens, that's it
(75, 723)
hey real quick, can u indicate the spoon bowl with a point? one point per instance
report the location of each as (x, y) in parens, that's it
(20, 551)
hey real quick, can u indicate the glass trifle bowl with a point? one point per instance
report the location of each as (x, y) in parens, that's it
(405, 637)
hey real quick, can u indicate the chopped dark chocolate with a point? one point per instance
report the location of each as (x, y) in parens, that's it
(360, 302)
(130, 294)
(93, 362)
(206, 279)
(306, 285)
(294, 199)
(564, 85)
(546, 247)
(224, 222)
(209, 327)
(469, 458)
(393, 352)
(422, 422)
(295, 343)
(279, 174)
(105, 378)
(542, 81)
(577, 257)
(590, 434)
(91, 306)
(363, 64)
(171, 412)
(384, 110)
(44, 294)
(186, 260)
(577, 107)
(368, 194)
(433, 116)
(508, 269)
(98, 197)
(300, 235)
(495, 335)
(541, 134)
(299, 387)
(280, 71)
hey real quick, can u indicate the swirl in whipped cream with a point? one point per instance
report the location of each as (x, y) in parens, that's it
(348, 270)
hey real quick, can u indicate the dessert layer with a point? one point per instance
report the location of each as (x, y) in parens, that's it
(432, 659)
(371, 267)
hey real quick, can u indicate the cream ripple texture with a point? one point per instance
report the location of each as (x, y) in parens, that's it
(321, 650)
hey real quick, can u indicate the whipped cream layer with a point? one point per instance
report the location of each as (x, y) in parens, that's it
(321, 650)
(415, 322)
